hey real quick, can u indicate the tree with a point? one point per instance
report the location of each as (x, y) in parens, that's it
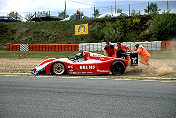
(112, 33)
(63, 15)
(119, 10)
(97, 13)
(152, 9)
(29, 17)
(15, 15)
(133, 13)
(163, 26)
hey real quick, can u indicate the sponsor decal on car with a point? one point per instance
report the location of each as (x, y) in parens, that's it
(87, 67)
(102, 70)
(70, 66)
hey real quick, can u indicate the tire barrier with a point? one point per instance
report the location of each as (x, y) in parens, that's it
(155, 45)
(168, 46)
(13, 47)
(42, 47)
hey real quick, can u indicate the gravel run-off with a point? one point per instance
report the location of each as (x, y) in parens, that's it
(161, 67)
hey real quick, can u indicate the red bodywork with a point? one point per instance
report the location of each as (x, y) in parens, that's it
(92, 64)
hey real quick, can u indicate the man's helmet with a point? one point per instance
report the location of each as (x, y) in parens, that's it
(78, 56)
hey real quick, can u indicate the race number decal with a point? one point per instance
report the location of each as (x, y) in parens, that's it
(134, 59)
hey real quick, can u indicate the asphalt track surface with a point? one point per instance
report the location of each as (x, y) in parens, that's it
(59, 97)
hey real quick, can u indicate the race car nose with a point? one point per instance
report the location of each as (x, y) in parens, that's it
(33, 71)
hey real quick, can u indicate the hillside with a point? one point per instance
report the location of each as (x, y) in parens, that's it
(136, 28)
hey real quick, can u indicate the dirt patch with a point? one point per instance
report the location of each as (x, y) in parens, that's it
(161, 67)
(18, 65)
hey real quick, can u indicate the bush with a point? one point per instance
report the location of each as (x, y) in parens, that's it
(145, 36)
(131, 37)
(113, 35)
(163, 26)
(96, 34)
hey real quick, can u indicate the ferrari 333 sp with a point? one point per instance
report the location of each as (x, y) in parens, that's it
(83, 63)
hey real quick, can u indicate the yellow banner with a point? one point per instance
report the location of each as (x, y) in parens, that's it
(81, 29)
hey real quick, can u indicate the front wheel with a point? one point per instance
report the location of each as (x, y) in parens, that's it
(117, 67)
(58, 68)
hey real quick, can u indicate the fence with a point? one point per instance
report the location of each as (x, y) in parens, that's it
(156, 46)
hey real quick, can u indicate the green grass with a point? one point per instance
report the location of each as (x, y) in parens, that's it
(170, 54)
(64, 54)
(36, 54)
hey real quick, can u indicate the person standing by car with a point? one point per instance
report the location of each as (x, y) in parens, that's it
(143, 53)
(120, 50)
(109, 49)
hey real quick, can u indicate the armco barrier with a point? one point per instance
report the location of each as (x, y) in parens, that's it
(45, 47)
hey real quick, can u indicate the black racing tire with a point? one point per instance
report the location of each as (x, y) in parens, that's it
(117, 67)
(58, 68)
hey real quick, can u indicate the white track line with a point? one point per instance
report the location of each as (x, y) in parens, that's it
(124, 79)
(70, 77)
(149, 80)
(98, 78)
(9, 75)
(89, 78)
(42, 76)
(167, 81)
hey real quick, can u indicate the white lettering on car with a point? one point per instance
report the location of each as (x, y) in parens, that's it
(102, 70)
(91, 67)
(70, 66)
(134, 60)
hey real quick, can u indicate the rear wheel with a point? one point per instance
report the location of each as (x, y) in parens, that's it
(58, 68)
(117, 67)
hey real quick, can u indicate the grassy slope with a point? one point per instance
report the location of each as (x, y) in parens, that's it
(58, 32)
(124, 29)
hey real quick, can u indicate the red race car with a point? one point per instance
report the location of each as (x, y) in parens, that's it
(83, 63)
